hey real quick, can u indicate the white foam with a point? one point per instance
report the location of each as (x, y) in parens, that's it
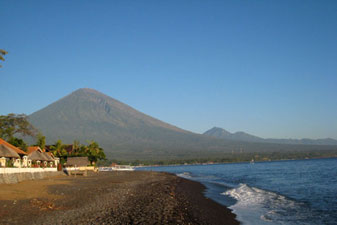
(256, 206)
(186, 175)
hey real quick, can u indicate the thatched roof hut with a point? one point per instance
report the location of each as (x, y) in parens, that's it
(8, 152)
(78, 161)
(36, 156)
(48, 157)
(17, 150)
(36, 153)
(51, 155)
(31, 149)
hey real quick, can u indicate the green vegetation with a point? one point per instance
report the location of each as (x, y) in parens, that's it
(16, 124)
(17, 142)
(9, 163)
(41, 141)
(59, 149)
(12, 124)
(2, 54)
(93, 151)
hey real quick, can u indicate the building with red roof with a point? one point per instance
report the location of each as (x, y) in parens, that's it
(10, 155)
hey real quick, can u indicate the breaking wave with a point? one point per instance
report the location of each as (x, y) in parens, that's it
(257, 206)
(186, 175)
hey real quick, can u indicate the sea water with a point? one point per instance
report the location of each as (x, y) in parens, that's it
(279, 192)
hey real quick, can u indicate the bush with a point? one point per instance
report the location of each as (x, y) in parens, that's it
(9, 163)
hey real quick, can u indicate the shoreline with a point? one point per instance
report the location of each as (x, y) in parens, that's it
(219, 163)
(137, 197)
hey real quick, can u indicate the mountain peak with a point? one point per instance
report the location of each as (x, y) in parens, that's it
(88, 114)
(217, 132)
(219, 128)
(237, 136)
(89, 91)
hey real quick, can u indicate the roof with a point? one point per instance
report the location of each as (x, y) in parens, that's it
(40, 154)
(7, 152)
(51, 155)
(37, 155)
(31, 149)
(69, 148)
(17, 150)
(48, 148)
(78, 161)
(48, 157)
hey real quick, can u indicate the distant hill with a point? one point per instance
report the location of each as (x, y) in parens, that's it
(242, 136)
(238, 136)
(126, 133)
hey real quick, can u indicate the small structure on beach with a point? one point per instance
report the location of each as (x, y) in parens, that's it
(35, 156)
(77, 162)
(54, 159)
(9, 154)
(78, 166)
(41, 158)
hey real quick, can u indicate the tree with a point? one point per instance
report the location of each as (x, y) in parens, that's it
(41, 141)
(94, 152)
(17, 142)
(82, 151)
(58, 149)
(2, 53)
(76, 148)
(15, 124)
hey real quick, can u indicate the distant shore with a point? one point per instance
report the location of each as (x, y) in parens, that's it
(136, 197)
(230, 162)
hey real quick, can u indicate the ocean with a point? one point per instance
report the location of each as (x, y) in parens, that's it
(279, 192)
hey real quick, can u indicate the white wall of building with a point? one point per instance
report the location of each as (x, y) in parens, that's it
(26, 170)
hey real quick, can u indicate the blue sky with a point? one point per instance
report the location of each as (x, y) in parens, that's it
(265, 67)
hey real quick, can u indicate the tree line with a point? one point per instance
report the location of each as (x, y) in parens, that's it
(13, 126)
(92, 150)
(227, 158)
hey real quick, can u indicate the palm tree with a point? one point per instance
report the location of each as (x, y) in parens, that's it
(41, 141)
(59, 149)
(2, 53)
(76, 148)
(94, 152)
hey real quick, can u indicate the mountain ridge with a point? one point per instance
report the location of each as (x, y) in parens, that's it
(243, 136)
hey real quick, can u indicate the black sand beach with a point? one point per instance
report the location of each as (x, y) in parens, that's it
(111, 198)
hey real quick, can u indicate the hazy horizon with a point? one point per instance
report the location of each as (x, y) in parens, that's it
(265, 68)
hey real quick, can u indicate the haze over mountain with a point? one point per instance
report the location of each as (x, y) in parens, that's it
(126, 133)
(242, 136)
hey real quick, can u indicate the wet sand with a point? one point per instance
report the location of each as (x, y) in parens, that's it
(110, 198)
